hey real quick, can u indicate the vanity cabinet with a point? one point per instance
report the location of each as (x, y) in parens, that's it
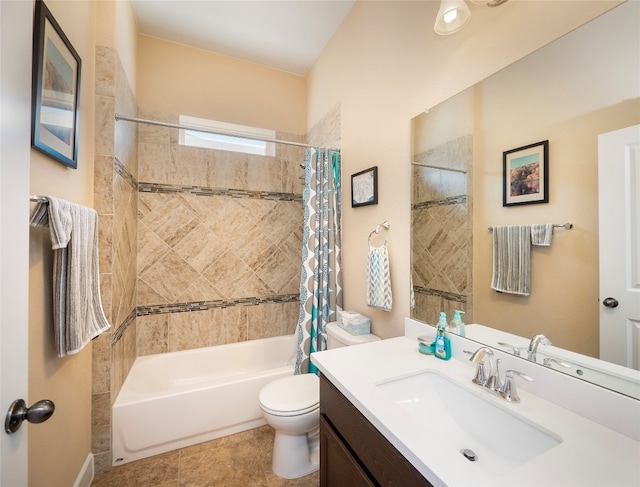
(353, 452)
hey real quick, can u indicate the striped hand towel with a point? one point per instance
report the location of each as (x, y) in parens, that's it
(541, 234)
(378, 278)
(512, 259)
(78, 316)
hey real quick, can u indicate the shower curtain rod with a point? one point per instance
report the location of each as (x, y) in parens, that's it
(196, 129)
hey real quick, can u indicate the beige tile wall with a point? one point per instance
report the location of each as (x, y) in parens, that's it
(441, 231)
(115, 188)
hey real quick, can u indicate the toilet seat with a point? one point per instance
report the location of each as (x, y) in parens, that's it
(291, 396)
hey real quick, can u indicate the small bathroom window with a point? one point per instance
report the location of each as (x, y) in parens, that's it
(206, 140)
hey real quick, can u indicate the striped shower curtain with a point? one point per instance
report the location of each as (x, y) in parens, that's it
(321, 275)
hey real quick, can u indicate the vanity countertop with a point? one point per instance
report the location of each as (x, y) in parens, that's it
(589, 453)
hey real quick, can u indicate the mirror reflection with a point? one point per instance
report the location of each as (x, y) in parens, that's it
(582, 85)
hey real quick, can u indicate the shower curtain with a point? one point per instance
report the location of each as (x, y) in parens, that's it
(321, 274)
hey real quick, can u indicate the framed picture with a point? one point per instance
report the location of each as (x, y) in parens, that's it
(364, 187)
(55, 90)
(525, 175)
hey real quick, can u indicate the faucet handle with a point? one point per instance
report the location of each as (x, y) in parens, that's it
(509, 391)
(481, 377)
(548, 361)
(512, 348)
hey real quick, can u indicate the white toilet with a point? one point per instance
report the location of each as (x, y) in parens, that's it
(291, 406)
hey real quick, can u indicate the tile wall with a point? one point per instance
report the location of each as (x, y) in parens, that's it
(197, 247)
(115, 187)
(441, 236)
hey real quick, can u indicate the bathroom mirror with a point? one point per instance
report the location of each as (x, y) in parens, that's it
(579, 86)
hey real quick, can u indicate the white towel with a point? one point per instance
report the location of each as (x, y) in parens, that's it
(78, 316)
(379, 278)
(512, 259)
(541, 234)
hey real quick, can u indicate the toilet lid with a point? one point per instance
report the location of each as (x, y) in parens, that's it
(297, 394)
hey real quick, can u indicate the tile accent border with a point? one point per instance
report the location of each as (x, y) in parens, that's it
(206, 191)
(451, 200)
(197, 306)
(459, 298)
(126, 175)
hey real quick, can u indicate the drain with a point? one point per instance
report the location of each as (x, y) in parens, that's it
(469, 454)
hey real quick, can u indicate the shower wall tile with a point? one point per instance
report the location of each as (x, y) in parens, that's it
(101, 364)
(229, 325)
(100, 423)
(189, 330)
(103, 184)
(441, 230)
(105, 126)
(152, 334)
(273, 319)
(105, 71)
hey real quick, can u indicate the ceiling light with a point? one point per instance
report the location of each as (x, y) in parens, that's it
(452, 16)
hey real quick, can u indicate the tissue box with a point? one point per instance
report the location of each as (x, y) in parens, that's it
(354, 323)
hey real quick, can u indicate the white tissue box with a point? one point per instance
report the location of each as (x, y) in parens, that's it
(354, 323)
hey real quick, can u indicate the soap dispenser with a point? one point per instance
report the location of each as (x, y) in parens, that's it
(457, 326)
(442, 347)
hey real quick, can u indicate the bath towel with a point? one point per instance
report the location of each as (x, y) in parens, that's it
(512, 259)
(379, 278)
(541, 234)
(78, 316)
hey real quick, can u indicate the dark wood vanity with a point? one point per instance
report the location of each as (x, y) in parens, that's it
(353, 452)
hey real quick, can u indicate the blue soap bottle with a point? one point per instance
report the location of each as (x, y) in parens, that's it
(442, 347)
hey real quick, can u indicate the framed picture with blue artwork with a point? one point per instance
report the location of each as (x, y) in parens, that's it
(526, 175)
(55, 90)
(364, 187)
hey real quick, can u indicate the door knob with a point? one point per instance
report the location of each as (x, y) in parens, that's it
(610, 302)
(18, 412)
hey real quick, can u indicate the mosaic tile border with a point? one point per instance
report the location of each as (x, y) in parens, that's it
(126, 175)
(459, 298)
(198, 306)
(451, 200)
(207, 191)
(117, 335)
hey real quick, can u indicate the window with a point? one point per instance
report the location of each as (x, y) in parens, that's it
(245, 144)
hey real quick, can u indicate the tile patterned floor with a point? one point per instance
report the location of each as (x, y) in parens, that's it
(241, 460)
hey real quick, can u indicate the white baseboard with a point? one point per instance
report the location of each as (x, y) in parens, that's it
(85, 476)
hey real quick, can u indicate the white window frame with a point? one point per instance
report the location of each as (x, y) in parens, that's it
(247, 144)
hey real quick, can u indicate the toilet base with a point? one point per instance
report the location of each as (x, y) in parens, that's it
(295, 456)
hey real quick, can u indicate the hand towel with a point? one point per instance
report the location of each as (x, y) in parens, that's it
(541, 234)
(379, 278)
(512, 259)
(78, 316)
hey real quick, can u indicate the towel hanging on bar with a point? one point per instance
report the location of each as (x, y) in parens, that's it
(78, 316)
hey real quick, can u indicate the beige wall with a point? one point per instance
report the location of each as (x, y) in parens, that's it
(384, 66)
(173, 78)
(59, 447)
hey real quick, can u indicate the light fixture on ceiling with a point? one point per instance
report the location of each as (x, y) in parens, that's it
(454, 14)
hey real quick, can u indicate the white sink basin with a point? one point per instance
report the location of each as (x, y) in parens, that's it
(459, 419)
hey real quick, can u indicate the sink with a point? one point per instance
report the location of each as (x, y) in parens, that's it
(461, 419)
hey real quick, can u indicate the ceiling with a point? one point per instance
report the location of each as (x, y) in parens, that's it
(288, 35)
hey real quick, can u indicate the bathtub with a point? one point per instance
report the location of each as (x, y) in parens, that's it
(174, 400)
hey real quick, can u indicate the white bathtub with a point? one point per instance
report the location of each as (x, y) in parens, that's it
(173, 400)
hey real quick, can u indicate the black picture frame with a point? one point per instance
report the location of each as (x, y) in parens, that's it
(55, 90)
(364, 187)
(525, 175)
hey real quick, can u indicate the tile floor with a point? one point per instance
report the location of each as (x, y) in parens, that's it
(241, 460)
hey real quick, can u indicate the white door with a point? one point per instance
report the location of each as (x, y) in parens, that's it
(619, 204)
(16, 19)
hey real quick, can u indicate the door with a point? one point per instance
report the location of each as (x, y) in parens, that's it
(619, 212)
(15, 153)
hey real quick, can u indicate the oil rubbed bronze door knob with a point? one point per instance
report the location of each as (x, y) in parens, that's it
(610, 302)
(19, 412)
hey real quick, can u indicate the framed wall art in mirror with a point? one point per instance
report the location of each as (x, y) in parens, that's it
(364, 187)
(55, 90)
(525, 173)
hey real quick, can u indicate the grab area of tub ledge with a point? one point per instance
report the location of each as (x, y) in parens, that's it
(534, 442)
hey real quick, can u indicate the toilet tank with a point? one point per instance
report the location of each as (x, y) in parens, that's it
(337, 337)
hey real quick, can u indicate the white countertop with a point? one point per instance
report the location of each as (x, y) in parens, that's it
(589, 454)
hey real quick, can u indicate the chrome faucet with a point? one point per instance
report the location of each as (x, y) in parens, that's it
(491, 379)
(548, 361)
(482, 377)
(533, 346)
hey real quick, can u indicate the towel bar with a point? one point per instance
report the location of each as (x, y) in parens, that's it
(567, 226)
(386, 226)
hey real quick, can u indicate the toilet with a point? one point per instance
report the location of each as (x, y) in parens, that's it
(291, 406)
